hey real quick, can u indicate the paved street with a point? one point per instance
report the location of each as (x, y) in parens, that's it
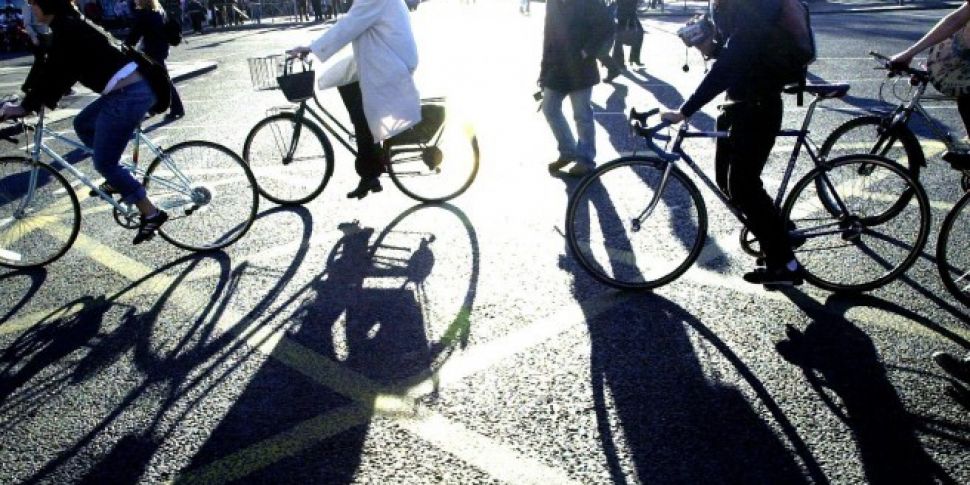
(382, 341)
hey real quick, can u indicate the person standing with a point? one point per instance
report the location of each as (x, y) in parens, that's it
(196, 15)
(148, 26)
(384, 101)
(574, 32)
(628, 23)
(317, 10)
(752, 116)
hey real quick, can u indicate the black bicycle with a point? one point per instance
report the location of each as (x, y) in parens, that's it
(292, 157)
(639, 222)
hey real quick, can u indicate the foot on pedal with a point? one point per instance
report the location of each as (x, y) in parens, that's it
(959, 160)
(149, 226)
(107, 189)
(366, 186)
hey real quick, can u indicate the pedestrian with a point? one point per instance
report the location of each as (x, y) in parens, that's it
(629, 31)
(382, 100)
(148, 26)
(954, 25)
(574, 32)
(317, 10)
(740, 43)
(196, 15)
(82, 52)
(603, 55)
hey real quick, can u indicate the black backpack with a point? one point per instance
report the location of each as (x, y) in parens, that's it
(792, 44)
(173, 30)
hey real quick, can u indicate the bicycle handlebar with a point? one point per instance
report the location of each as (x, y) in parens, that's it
(638, 123)
(898, 69)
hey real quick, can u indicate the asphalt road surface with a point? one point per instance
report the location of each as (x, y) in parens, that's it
(382, 341)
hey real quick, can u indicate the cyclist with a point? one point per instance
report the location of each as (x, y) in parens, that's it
(384, 100)
(752, 116)
(82, 52)
(946, 27)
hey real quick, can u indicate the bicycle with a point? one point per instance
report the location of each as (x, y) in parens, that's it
(952, 254)
(207, 189)
(433, 161)
(639, 222)
(889, 134)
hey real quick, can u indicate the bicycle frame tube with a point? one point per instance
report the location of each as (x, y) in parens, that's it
(343, 136)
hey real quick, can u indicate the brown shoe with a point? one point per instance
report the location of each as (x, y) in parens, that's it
(559, 164)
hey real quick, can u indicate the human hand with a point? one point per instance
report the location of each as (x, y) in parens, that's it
(900, 60)
(12, 110)
(672, 117)
(299, 51)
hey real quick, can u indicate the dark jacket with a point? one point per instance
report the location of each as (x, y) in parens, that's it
(571, 28)
(149, 27)
(743, 29)
(79, 52)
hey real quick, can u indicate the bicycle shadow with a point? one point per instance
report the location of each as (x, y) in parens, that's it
(678, 424)
(178, 368)
(367, 331)
(36, 278)
(845, 369)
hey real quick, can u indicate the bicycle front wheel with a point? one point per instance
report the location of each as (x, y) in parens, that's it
(36, 227)
(291, 158)
(439, 170)
(209, 192)
(853, 247)
(614, 236)
(953, 253)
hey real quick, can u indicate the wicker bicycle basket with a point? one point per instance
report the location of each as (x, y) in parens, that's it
(263, 71)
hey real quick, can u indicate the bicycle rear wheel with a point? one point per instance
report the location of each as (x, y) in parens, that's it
(953, 252)
(291, 158)
(209, 192)
(608, 242)
(869, 135)
(35, 228)
(855, 248)
(437, 170)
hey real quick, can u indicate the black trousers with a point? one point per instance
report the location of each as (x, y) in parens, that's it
(636, 42)
(739, 161)
(368, 163)
(963, 105)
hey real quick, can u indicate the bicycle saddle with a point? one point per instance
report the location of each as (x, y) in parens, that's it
(836, 90)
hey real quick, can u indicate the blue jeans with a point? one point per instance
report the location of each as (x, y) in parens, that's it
(106, 126)
(585, 150)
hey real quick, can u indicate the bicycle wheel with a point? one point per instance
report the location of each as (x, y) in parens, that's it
(209, 192)
(953, 253)
(35, 228)
(291, 158)
(438, 170)
(602, 228)
(854, 248)
(867, 134)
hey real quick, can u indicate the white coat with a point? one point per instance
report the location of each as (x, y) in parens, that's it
(386, 57)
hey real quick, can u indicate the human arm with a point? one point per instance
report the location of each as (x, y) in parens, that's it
(361, 16)
(943, 29)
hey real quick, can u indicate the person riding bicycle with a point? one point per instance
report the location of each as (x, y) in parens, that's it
(752, 115)
(944, 29)
(82, 52)
(384, 100)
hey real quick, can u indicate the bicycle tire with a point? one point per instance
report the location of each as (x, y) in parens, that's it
(953, 262)
(671, 238)
(23, 234)
(842, 249)
(865, 134)
(437, 171)
(216, 174)
(297, 180)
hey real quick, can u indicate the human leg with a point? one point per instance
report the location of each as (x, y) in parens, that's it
(755, 125)
(585, 129)
(368, 161)
(565, 142)
(637, 44)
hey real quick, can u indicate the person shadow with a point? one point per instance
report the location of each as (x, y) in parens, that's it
(844, 367)
(358, 337)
